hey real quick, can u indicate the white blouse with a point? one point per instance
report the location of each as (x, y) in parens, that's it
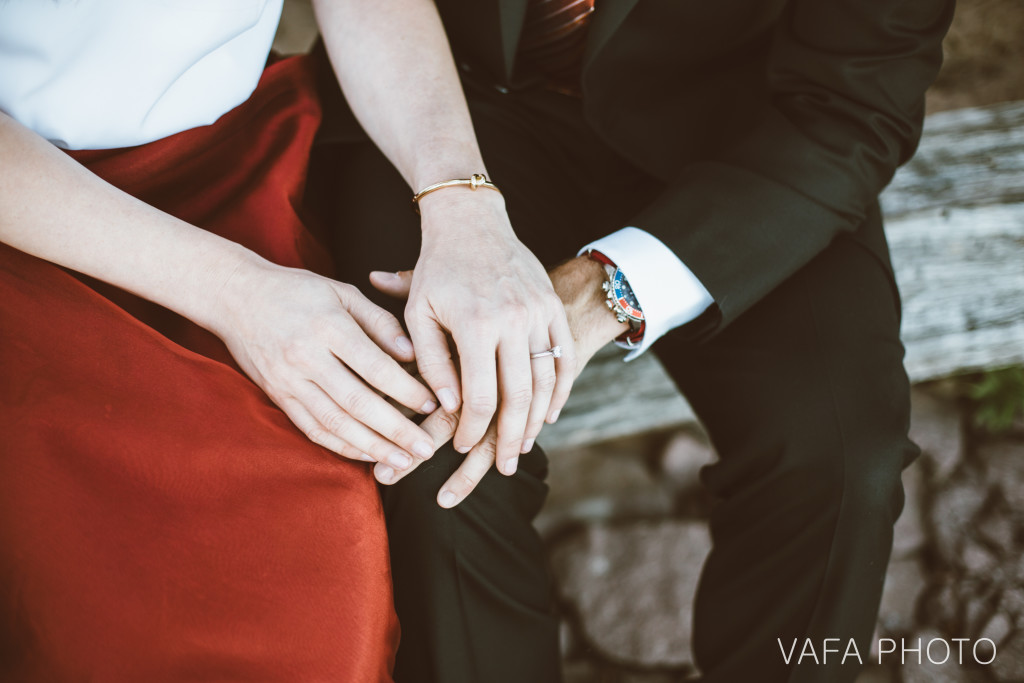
(100, 74)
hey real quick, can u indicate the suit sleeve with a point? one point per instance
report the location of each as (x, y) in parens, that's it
(845, 106)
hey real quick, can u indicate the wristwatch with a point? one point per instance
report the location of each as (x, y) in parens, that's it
(621, 300)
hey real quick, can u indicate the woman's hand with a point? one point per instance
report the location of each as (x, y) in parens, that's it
(324, 354)
(578, 285)
(476, 282)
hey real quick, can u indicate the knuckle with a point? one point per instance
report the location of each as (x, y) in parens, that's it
(487, 449)
(465, 482)
(358, 401)
(516, 311)
(347, 291)
(447, 421)
(481, 406)
(293, 353)
(396, 434)
(317, 436)
(417, 309)
(334, 422)
(431, 363)
(378, 317)
(377, 367)
(519, 397)
(544, 382)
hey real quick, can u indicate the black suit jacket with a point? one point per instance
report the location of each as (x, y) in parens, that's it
(774, 124)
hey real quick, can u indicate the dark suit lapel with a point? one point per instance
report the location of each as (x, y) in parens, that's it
(608, 16)
(512, 14)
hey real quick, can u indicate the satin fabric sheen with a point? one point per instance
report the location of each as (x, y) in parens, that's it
(160, 518)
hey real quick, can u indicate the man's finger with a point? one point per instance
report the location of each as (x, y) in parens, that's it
(565, 366)
(441, 425)
(469, 473)
(393, 284)
(544, 378)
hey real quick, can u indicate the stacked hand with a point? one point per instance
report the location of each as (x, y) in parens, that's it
(333, 361)
(325, 355)
(476, 283)
(577, 283)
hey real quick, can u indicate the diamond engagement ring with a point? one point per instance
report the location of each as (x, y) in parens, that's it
(554, 352)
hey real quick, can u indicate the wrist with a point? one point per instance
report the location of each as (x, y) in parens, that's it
(437, 209)
(439, 171)
(232, 287)
(578, 284)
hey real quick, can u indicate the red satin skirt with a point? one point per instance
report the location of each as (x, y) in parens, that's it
(160, 518)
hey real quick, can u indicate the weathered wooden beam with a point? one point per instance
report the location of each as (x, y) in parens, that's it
(961, 277)
(955, 222)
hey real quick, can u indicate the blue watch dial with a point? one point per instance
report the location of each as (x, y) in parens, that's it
(624, 297)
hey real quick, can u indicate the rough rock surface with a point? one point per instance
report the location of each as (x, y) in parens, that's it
(633, 588)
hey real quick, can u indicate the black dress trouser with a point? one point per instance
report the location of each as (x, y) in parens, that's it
(804, 396)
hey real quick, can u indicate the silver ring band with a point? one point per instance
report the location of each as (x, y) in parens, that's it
(554, 352)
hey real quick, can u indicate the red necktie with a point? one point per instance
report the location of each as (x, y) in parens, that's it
(553, 39)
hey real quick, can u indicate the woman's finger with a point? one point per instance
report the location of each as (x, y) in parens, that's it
(543, 385)
(516, 383)
(476, 348)
(352, 398)
(434, 359)
(317, 433)
(371, 445)
(565, 365)
(379, 325)
(379, 370)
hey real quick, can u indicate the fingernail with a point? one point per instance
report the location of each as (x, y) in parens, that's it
(399, 460)
(553, 417)
(365, 457)
(527, 446)
(510, 465)
(385, 474)
(462, 449)
(447, 398)
(423, 449)
(446, 499)
(403, 343)
(428, 407)
(385, 275)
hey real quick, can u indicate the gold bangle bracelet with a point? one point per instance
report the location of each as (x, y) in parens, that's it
(474, 181)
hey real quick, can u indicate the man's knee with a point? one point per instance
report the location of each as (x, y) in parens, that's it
(824, 470)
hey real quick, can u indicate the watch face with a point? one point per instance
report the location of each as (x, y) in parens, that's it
(623, 295)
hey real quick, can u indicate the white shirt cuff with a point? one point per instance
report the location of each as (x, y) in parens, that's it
(669, 294)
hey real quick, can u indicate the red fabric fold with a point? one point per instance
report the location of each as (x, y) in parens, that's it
(160, 518)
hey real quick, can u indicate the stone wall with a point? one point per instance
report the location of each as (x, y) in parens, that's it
(626, 527)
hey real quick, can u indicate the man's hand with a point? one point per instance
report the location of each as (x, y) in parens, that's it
(320, 349)
(578, 284)
(477, 283)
